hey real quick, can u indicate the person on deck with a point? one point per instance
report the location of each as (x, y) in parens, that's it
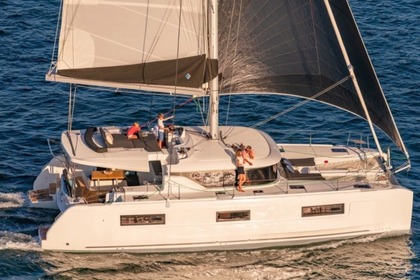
(248, 153)
(161, 129)
(133, 131)
(240, 171)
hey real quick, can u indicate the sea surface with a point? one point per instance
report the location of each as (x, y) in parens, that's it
(31, 110)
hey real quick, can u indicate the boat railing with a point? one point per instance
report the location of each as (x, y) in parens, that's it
(53, 142)
(338, 137)
(171, 187)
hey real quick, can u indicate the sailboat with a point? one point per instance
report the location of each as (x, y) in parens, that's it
(131, 195)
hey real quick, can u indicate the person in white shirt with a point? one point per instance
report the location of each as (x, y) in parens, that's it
(161, 129)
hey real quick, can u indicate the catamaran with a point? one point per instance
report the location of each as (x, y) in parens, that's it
(120, 194)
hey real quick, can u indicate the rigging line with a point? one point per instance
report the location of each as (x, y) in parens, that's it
(236, 46)
(158, 32)
(301, 103)
(227, 46)
(72, 104)
(228, 109)
(205, 104)
(177, 107)
(56, 34)
(144, 40)
(197, 103)
(173, 110)
(150, 111)
(177, 47)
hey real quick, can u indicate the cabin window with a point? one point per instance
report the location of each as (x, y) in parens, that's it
(216, 179)
(321, 210)
(135, 220)
(230, 216)
(362, 186)
(339, 150)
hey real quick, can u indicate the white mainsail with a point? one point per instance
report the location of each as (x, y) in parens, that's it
(127, 44)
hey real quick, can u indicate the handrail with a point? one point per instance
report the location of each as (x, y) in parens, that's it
(49, 141)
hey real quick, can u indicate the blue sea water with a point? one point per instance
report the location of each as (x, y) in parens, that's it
(32, 110)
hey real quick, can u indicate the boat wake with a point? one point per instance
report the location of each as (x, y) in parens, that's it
(12, 200)
(358, 240)
(18, 241)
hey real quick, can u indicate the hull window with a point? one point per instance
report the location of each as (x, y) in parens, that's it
(135, 220)
(223, 178)
(233, 216)
(320, 210)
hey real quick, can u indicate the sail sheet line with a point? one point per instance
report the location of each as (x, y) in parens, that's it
(301, 103)
(53, 64)
(177, 47)
(72, 104)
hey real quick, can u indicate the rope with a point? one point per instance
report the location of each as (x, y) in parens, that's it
(150, 109)
(144, 39)
(301, 103)
(197, 103)
(147, 124)
(56, 34)
(177, 47)
(235, 51)
(72, 104)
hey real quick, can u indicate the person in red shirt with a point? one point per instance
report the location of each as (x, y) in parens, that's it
(133, 130)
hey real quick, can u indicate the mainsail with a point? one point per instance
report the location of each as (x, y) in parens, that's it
(127, 44)
(268, 46)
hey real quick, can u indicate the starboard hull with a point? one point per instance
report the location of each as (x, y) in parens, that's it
(192, 225)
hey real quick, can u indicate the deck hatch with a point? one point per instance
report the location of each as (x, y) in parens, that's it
(136, 220)
(321, 210)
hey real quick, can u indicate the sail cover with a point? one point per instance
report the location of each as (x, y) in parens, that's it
(290, 47)
(135, 42)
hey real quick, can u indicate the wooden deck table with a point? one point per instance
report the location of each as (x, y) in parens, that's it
(108, 175)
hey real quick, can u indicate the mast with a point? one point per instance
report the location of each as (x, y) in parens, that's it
(214, 84)
(352, 75)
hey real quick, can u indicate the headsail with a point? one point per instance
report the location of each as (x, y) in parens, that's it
(127, 44)
(290, 47)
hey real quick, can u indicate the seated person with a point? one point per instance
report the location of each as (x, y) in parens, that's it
(249, 152)
(133, 130)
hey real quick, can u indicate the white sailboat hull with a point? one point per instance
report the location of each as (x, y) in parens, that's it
(143, 194)
(191, 225)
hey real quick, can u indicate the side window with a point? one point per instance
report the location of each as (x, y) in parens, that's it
(229, 216)
(135, 220)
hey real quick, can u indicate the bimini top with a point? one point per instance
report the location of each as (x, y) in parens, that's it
(192, 149)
